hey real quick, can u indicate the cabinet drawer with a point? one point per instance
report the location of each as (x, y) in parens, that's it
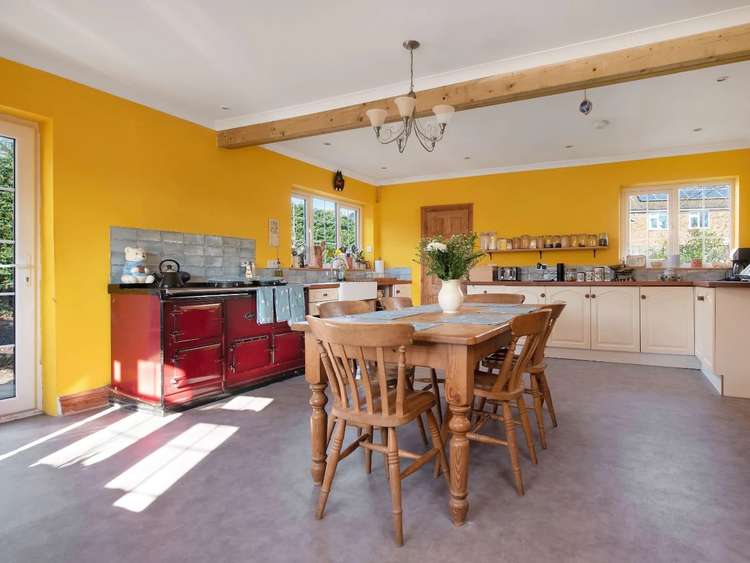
(241, 319)
(289, 348)
(402, 290)
(248, 359)
(194, 368)
(327, 294)
(191, 322)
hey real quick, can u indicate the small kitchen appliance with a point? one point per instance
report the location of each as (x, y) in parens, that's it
(740, 263)
(506, 273)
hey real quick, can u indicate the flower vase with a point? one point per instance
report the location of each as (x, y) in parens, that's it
(450, 296)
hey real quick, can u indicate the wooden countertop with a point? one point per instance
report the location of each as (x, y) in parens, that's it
(720, 284)
(593, 284)
(382, 282)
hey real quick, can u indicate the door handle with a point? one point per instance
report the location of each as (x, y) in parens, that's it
(643, 297)
(701, 298)
(593, 296)
(249, 316)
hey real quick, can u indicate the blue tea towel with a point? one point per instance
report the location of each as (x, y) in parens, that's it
(297, 302)
(283, 312)
(265, 305)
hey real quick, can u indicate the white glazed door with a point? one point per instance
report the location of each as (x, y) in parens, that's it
(667, 320)
(615, 319)
(18, 227)
(705, 325)
(573, 328)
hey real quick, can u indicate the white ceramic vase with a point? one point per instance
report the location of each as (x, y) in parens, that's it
(450, 296)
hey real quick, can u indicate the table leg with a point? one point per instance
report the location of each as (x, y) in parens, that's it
(459, 449)
(318, 425)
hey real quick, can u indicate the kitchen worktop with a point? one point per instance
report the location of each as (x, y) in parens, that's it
(381, 283)
(593, 283)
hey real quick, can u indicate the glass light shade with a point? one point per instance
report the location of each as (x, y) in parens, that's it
(405, 105)
(376, 117)
(443, 113)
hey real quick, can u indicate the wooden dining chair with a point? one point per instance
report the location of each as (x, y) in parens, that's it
(342, 308)
(498, 298)
(368, 402)
(507, 387)
(396, 303)
(433, 382)
(538, 388)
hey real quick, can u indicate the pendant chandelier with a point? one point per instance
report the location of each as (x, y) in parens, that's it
(428, 133)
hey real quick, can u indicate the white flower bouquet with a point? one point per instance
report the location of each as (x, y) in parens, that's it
(451, 258)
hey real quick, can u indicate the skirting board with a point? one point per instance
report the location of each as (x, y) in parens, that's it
(661, 360)
(84, 401)
(716, 381)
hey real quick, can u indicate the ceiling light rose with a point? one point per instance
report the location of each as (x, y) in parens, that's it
(428, 134)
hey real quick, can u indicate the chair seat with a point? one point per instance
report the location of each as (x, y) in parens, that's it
(483, 383)
(415, 403)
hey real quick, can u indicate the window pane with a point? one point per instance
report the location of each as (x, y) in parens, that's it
(299, 222)
(7, 161)
(324, 222)
(7, 348)
(348, 225)
(648, 223)
(7, 228)
(705, 224)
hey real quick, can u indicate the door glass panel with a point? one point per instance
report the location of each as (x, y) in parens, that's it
(705, 224)
(648, 224)
(7, 269)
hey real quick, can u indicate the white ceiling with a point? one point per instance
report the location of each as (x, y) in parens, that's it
(653, 117)
(265, 59)
(268, 60)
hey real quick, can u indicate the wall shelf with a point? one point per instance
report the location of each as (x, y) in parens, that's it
(541, 251)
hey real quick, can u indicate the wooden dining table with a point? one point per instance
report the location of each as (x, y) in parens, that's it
(441, 341)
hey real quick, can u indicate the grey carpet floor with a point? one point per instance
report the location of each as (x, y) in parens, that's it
(648, 464)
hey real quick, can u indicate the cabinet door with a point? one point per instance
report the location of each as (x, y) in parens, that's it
(667, 320)
(615, 319)
(194, 371)
(193, 321)
(248, 359)
(402, 290)
(573, 328)
(705, 325)
(289, 349)
(241, 319)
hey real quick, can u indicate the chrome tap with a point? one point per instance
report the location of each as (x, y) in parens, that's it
(249, 269)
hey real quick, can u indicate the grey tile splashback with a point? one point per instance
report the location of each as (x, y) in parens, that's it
(204, 256)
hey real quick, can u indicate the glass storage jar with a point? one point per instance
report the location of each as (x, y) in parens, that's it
(492, 241)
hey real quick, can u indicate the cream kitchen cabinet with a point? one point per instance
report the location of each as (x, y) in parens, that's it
(705, 326)
(667, 320)
(573, 328)
(401, 290)
(615, 319)
(532, 294)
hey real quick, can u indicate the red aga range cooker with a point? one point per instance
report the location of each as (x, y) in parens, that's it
(172, 347)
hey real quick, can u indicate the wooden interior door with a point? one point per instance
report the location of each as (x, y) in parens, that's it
(443, 220)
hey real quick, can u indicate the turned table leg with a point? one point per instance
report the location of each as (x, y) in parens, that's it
(318, 425)
(459, 449)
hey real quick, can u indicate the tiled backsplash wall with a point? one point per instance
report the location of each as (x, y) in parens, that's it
(203, 256)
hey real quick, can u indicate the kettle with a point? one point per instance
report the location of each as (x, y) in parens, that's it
(170, 274)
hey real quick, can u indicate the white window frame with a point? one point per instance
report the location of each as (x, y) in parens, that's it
(674, 210)
(338, 203)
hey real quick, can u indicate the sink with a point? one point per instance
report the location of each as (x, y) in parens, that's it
(358, 290)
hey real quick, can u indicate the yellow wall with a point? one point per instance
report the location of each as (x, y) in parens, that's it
(563, 200)
(107, 161)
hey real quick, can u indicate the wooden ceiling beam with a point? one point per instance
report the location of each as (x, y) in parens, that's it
(682, 54)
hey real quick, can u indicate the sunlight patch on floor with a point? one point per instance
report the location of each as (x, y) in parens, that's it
(108, 441)
(60, 432)
(157, 472)
(241, 403)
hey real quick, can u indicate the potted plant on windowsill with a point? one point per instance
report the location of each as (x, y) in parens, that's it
(450, 260)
